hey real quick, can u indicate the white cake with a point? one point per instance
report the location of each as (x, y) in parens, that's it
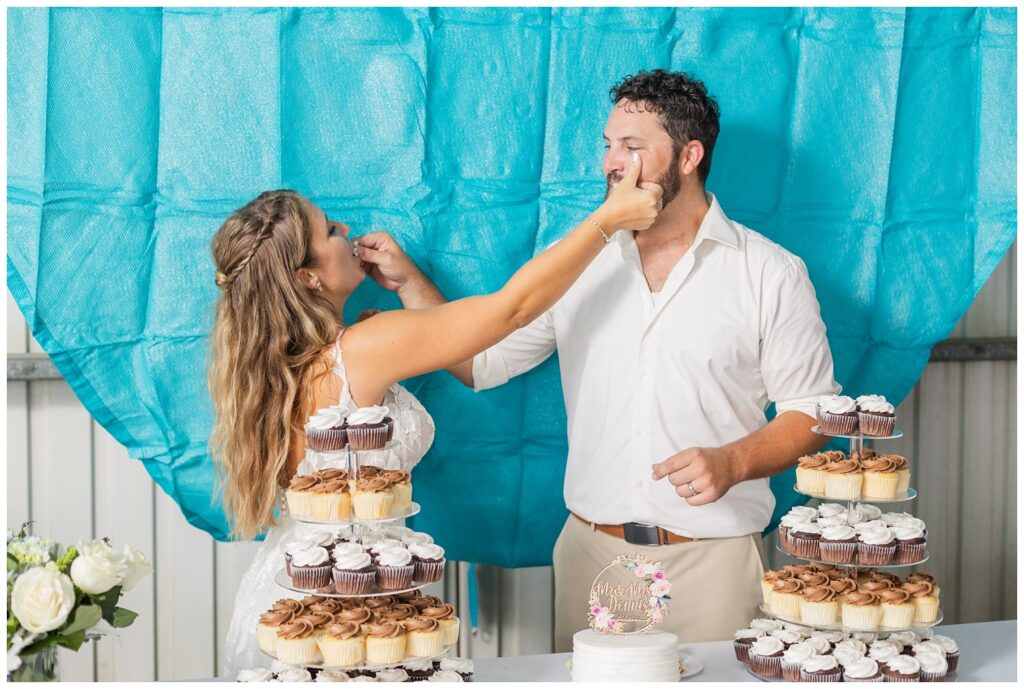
(652, 657)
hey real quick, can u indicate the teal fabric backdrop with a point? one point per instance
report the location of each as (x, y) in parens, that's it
(877, 144)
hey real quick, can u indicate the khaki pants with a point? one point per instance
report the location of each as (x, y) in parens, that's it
(716, 584)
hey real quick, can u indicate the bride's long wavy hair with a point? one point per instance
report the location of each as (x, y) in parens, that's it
(268, 332)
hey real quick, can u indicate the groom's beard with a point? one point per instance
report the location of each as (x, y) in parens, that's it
(670, 182)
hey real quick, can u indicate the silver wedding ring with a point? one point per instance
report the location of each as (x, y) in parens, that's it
(693, 491)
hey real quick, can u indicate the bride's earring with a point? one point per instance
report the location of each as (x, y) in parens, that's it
(319, 286)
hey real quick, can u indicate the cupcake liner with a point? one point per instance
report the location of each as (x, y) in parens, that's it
(875, 424)
(819, 614)
(952, 660)
(381, 651)
(787, 605)
(837, 424)
(742, 651)
(810, 480)
(372, 505)
(875, 555)
(288, 564)
(766, 594)
(424, 644)
(766, 666)
(847, 678)
(348, 582)
(332, 507)
(313, 577)
(266, 638)
(862, 618)
(933, 676)
(392, 578)
(368, 437)
(403, 496)
(843, 486)
(907, 553)
(341, 652)
(326, 439)
(926, 609)
(880, 485)
(298, 651)
(450, 631)
(791, 671)
(298, 502)
(838, 552)
(428, 572)
(804, 547)
(784, 538)
(902, 481)
(901, 678)
(833, 676)
(898, 616)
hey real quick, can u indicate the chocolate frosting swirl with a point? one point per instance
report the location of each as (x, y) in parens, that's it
(885, 576)
(371, 485)
(878, 464)
(439, 612)
(320, 487)
(814, 579)
(426, 602)
(296, 629)
(275, 618)
(312, 600)
(399, 612)
(356, 615)
(921, 576)
(877, 586)
(919, 589)
(868, 453)
(343, 630)
(331, 474)
(422, 623)
(843, 586)
(385, 630)
(817, 567)
(772, 575)
(812, 461)
(288, 604)
(894, 596)
(369, 471)
(833, 455)
(788, 586)
(302, 482)
(379, 602)
(850, 466)
(330, 606)
(408, 596)
(900, 460)
(336, 485)
(319, 619)
(819, 594)
(860, 598)
(396, 476)
(794, 570)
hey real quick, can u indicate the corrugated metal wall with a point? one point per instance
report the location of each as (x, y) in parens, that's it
(74, 481)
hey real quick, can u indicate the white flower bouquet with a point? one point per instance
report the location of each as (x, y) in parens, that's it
(57, 597)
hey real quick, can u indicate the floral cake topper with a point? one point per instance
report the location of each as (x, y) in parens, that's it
(629, 596)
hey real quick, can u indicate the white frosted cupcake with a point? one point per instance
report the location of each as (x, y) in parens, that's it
(883, 651)
(259, 674)
(786, 525)
(838, 544)
(933, 665)
(393, 674)
(368, 428)
(845, 655)
(877, 546)
(325, 430)
(354, 573)
(311, 568)
(429, 562)
(951, 648)
(793, 657)
(741, 641)
(837, 415)
(766, 656)
(902, 668)
(875, 416)
(445, 676)
(821, 669)
(395, 569)
(862, 670)
(294, 674)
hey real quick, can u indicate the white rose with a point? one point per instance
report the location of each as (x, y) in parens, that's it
(42, 599)
(98, 567)
(138, 566)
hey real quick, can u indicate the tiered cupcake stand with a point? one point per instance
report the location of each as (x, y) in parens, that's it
(359, 528)
(856, 446)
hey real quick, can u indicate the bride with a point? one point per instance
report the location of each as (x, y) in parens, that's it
(280, 353)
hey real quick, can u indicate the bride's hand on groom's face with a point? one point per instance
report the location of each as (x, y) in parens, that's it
(385, 262)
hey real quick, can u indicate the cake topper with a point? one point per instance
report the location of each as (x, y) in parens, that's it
(629, 596)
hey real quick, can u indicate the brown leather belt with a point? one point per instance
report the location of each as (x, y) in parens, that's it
(660, 536)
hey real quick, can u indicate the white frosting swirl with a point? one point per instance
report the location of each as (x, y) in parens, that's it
(749, 633)
(831, 637)
(766, 646)
(320, 537)
(367, 415)
(831, 509)
(820, 645)
(372, 537)
(913, 522)
(427, 551)
(348, 549)
(933, 663)
(869, 512)
(805, 528)
(826, 522)
(798, 653)
(875, 404)
(869, 525)
(817, 663)
(445, 676)
(846, 655)
(362, 678)
(790, 521)
(892, 518)
(926, 634)
(326, 418)
(904, 639)
(883, 650)
(417, 538)
(385, 544)
(838, 404)
(876, 536)
(855, 644)
(787, 636)
(838, 533)
(310, 557)
(332, 676)
(418, 664)
(865, 637)
(294, 674)
(352, 561)
(862, 668)
(905, 665)
(259, 674)
(803, 513)
(394, 557)
(766, 624)
(461, 665)
(927, 647)
(392, 674)
(396, 532)
(906, 533)
(947, 643)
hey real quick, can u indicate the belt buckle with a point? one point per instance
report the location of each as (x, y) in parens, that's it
(640, 534)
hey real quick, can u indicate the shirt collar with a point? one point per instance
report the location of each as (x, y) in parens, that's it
(715, 226)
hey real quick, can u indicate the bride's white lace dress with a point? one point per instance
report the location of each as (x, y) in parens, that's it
(413, 435)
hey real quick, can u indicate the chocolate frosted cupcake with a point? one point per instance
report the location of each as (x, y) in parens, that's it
(861, 611)
(862, 670)
(897, 609)
(819, 606)
(810, 473)
(296, 643)
(821, 669)
(925, 576)
(330, 500)
(786, 597)
(876, 546)
(788, 521)
(367, 428)
(844, 480)
(447, 619)
(325, 430)
(298, 495)
(902, 668)
(399, 612)
(385, 643)
(902, 473)
(767, 584)
(837, 415)
(804, 540)
(843, 586)
(400, 483)
(839, 544)
(910, 544)
(429, 562)
(875, 416)
(311, 568)
(354, 574)
(880, 478)
(424, 637)
(357, 615)
(742, 640)
(395, 569)
(372, 499)
(266, 630)
(766, 656)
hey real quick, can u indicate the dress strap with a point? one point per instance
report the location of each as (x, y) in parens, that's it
(339, 370)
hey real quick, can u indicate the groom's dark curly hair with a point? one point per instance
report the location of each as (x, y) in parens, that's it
(682, 103)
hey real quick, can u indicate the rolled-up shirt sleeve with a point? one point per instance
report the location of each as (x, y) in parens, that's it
(521, 351)
(796, 361)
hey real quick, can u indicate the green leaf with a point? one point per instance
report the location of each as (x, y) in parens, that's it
(82, 618)
(41, 645)
(123, 617)
(107, 602)
(72, 641)
(12, 563)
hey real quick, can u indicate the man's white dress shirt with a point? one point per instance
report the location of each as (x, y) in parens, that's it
(735, 327)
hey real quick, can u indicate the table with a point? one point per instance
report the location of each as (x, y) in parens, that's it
(988, 653)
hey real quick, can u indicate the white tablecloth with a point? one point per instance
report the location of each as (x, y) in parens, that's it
(988, 653)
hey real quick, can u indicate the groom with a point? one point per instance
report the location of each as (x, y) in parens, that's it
(671, 347)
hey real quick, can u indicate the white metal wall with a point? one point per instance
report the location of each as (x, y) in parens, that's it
(74, 481)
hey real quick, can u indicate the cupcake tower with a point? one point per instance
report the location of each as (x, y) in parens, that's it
(363, 610)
